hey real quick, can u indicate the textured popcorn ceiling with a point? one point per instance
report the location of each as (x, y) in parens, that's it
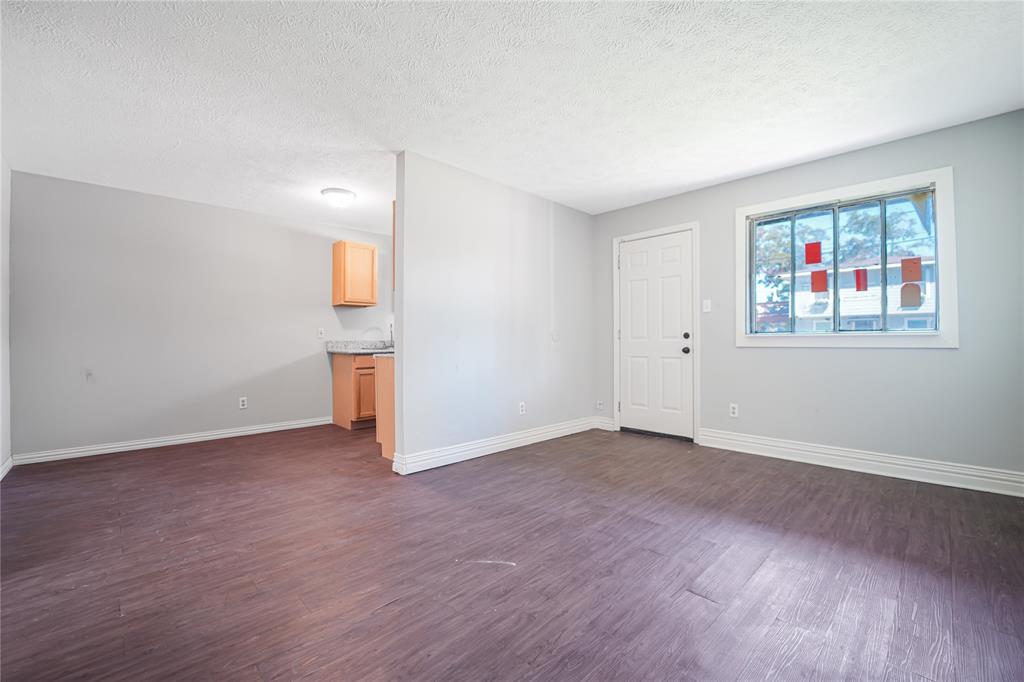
(598, 106)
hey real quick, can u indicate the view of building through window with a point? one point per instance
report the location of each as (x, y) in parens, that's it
(880, 250)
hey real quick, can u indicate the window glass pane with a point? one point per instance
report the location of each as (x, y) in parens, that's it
(814, 274)
(910, 250)
(860, 267)
(772, 256)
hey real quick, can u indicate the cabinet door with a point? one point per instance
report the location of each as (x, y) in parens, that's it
(366, 402)
(360, 273)
(354, 274)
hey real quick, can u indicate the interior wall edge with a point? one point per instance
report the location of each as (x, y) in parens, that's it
(5, 318)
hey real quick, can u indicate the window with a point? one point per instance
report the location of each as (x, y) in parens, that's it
(800, 256)
(861, 265)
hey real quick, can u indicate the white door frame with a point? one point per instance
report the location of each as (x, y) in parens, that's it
(698, 340)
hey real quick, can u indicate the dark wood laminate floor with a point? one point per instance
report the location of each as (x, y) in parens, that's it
(599, 556)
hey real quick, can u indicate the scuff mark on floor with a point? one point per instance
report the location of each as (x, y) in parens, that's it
(491, 561)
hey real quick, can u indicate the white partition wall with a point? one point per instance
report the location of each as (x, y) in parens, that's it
(494, 310)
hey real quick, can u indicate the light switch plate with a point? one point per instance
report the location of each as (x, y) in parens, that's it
(707, 305)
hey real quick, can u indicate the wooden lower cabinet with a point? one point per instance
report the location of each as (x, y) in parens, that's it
(385, 393)
(366, 398)
(355, 403)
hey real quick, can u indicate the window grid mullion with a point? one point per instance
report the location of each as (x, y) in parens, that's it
(792, 274)
(935, 241)
(752, 280)
(835, 270)
(884, 279)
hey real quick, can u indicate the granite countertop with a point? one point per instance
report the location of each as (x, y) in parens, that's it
(348, 347)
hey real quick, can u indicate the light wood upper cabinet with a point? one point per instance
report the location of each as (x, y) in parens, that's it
(355, 274)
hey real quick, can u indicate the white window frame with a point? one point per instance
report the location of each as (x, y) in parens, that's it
(948, 333)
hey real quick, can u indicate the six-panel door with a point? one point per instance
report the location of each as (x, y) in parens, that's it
(656, 334)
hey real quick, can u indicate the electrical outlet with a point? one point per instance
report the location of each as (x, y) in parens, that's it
(734, 410)
(707, 305)
(522, 408)
(243, 403)
(600, 405)
(320, 333)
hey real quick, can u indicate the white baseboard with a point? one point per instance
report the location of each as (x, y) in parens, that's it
(142, 444)
(429, 459)
(1001, 481)
(5, 466)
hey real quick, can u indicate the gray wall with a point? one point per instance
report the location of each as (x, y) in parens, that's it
(135, 316)
(964, 405)
(5, 317)
(494, 308)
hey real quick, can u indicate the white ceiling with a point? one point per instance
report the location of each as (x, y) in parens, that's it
(597, 106)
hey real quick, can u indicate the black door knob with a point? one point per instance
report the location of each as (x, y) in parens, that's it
(686, 335)
(686, 349)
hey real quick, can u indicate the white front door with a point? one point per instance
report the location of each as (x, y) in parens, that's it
(656, 334)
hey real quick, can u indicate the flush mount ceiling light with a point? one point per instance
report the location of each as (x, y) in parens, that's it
(338, 196)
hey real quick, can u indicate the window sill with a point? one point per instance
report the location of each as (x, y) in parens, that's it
(930, 339)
